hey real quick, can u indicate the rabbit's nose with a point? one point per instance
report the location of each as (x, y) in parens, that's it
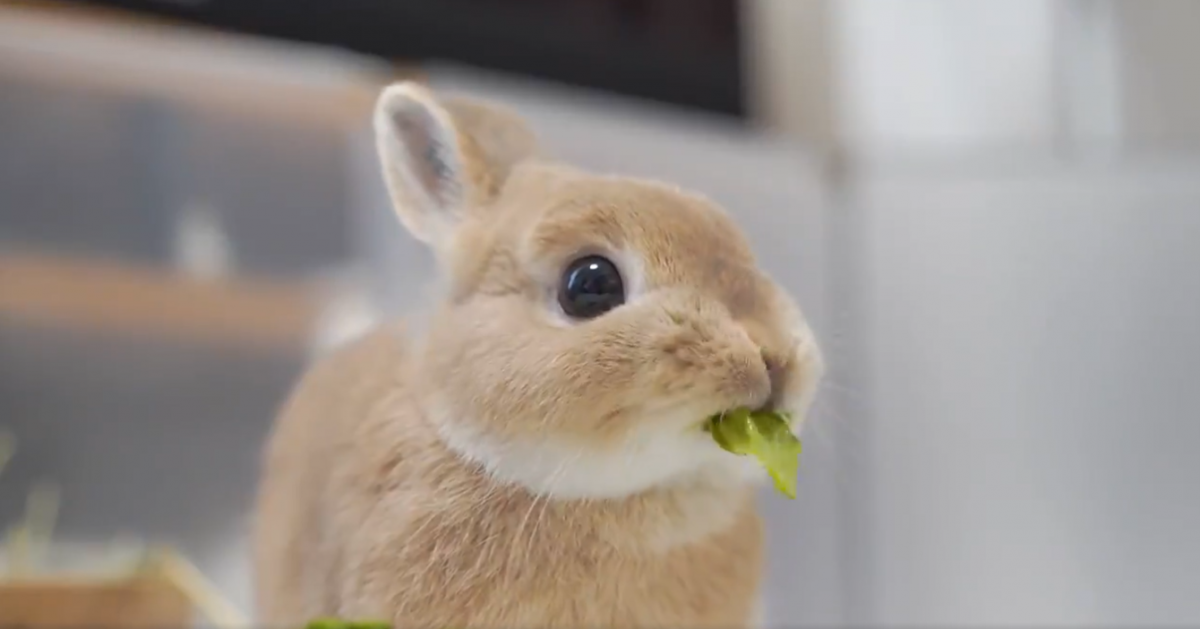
(777, 373)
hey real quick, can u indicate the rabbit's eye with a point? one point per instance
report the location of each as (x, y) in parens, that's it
(590, 287)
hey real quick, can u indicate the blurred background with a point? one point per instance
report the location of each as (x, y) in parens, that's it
(990, 211)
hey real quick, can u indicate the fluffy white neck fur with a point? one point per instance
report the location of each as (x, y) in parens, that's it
(649, 459)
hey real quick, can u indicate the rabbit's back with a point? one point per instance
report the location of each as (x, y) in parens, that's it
(296, 552)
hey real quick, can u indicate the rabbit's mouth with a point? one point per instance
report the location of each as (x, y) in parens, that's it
(788, 415)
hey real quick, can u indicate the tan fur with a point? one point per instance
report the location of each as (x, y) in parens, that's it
(396, 483)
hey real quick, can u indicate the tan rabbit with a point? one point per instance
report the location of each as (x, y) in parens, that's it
(533, 457)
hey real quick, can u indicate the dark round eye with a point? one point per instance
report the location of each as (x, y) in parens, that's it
(590, 287)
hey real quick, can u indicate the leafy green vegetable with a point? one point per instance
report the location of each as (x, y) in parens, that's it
(766, 436)
(335, 623)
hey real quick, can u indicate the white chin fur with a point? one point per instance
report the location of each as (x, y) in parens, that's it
(649, 459)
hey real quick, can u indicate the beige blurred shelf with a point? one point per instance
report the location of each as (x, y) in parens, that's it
(110, 51)
(135, 602)
(99, 295)
(158, 589)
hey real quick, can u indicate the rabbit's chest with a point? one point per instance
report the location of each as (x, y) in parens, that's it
(684, 591)
(549, 576)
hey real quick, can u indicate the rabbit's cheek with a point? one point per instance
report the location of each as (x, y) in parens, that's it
(804, 375)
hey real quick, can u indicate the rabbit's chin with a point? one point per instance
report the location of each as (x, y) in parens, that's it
(662, 455)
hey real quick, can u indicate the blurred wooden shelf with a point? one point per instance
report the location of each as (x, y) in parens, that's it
(109, 51)
(103, 296)
(142, 603)
(160, 589)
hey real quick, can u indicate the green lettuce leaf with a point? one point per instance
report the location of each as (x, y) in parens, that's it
(765, 436)
(336, 623)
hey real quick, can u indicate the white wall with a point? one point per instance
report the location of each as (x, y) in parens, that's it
(886, 75)
(1027, 344)
(1019, 338)
(944, 74)
(1160, 43)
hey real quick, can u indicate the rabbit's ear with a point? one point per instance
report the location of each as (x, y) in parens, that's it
(427, 164)
(501, 137)
(442, 160)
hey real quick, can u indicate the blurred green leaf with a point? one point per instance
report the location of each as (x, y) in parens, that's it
(766, 436)
(336, 623)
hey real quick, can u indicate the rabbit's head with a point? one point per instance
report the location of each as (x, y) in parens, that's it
(589, 324)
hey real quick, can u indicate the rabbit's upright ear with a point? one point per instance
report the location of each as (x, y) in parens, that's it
(442, 160)
(500, 136)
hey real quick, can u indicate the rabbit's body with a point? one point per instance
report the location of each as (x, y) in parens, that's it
(382, 520)
(534, 457)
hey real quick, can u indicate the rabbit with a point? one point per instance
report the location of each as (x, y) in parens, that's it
(533, 455)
